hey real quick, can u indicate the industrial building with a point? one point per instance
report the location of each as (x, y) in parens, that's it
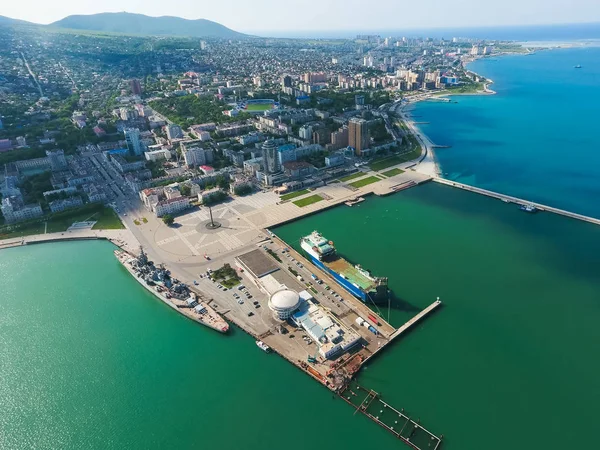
(331, 336)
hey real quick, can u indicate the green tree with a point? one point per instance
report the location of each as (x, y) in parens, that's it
(168, 219)
(185, 190)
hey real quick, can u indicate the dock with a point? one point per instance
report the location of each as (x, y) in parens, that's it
(407, 326)
(399, 423)
(516, 200)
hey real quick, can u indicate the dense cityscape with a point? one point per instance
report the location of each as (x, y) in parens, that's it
(86, 118)
(369, 235)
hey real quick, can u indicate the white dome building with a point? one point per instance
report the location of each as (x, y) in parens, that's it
(283, 303)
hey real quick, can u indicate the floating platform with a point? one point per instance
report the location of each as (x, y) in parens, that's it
(399, 423)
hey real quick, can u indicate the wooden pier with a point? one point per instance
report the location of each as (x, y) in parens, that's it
(400, 424)
(516, 200)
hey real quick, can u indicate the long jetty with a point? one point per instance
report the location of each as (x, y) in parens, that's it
(407, 326)
(518, 201)
(399, 423)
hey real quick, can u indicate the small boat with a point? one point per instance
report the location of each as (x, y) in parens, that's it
(264, 347)
(528, 208)
(578, 66)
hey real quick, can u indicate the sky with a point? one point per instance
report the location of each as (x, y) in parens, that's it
(295, 15)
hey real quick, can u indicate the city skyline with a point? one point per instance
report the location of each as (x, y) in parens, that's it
(345, 16)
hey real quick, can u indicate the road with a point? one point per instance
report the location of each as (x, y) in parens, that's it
(32, 75)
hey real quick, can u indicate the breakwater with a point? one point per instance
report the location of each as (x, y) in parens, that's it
(516, 200)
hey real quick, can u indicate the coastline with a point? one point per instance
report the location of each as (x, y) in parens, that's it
(428, 164)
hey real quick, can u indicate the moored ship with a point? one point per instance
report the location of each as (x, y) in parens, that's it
(171, 291)
(356, 280)
(264, 347)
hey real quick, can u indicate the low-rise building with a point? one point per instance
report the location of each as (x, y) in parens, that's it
(124, 166)
(66, 203)
(15, 211)
(331, 335)
(171, 206)
(94, 194)
(209, 195)
(157, 155)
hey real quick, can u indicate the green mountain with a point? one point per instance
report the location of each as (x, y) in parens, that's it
(129, 23)
(8, 21)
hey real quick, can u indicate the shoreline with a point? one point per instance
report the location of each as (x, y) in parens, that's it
(428, 164)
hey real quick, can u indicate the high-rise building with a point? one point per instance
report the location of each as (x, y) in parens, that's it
(136, 87)
(286, 81)
(195, 156)
(359, 101)
(57, 160)
(305, 132)
(174, 132)
(358, 135)
(270, 157)
(315, 77)
(339, 138)
(134, 144)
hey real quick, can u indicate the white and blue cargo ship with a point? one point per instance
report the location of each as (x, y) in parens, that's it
(356, 280)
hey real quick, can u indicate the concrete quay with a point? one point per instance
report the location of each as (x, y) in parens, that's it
(518, 201)
(122, 238)
(188, 249)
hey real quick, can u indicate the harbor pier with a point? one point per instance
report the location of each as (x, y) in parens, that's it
(516, 200)
(399, 423)
(407, 326)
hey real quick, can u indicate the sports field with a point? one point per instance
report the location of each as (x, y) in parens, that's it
(259, 106)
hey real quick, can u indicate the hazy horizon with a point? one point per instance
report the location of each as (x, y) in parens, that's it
(332, 16)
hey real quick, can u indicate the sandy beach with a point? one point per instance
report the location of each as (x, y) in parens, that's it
(429, 165)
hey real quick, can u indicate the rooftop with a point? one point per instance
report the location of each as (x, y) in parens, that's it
(257, 263)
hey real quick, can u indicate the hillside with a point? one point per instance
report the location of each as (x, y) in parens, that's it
(145, 25)
(8, 21)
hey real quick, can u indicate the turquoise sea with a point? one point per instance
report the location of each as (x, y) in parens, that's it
(91, 360)
(536, 139)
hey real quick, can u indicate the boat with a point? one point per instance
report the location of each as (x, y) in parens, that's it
(356, 280)
(528, 208)
(169, 290)
(578, 66)
(264, 347)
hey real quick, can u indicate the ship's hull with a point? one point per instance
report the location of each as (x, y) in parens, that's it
(221, 327)
(366, 297)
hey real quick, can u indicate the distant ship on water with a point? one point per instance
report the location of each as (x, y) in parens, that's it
(578, 66)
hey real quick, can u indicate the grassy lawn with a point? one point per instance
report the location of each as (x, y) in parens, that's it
(292, 195)
(414, 153)
(231, 282)
(391, 173)
(106, 219)
(352, 177)
(258, 107)
(365, 182)
(308, 200)
(26, 230)
(386, 162)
